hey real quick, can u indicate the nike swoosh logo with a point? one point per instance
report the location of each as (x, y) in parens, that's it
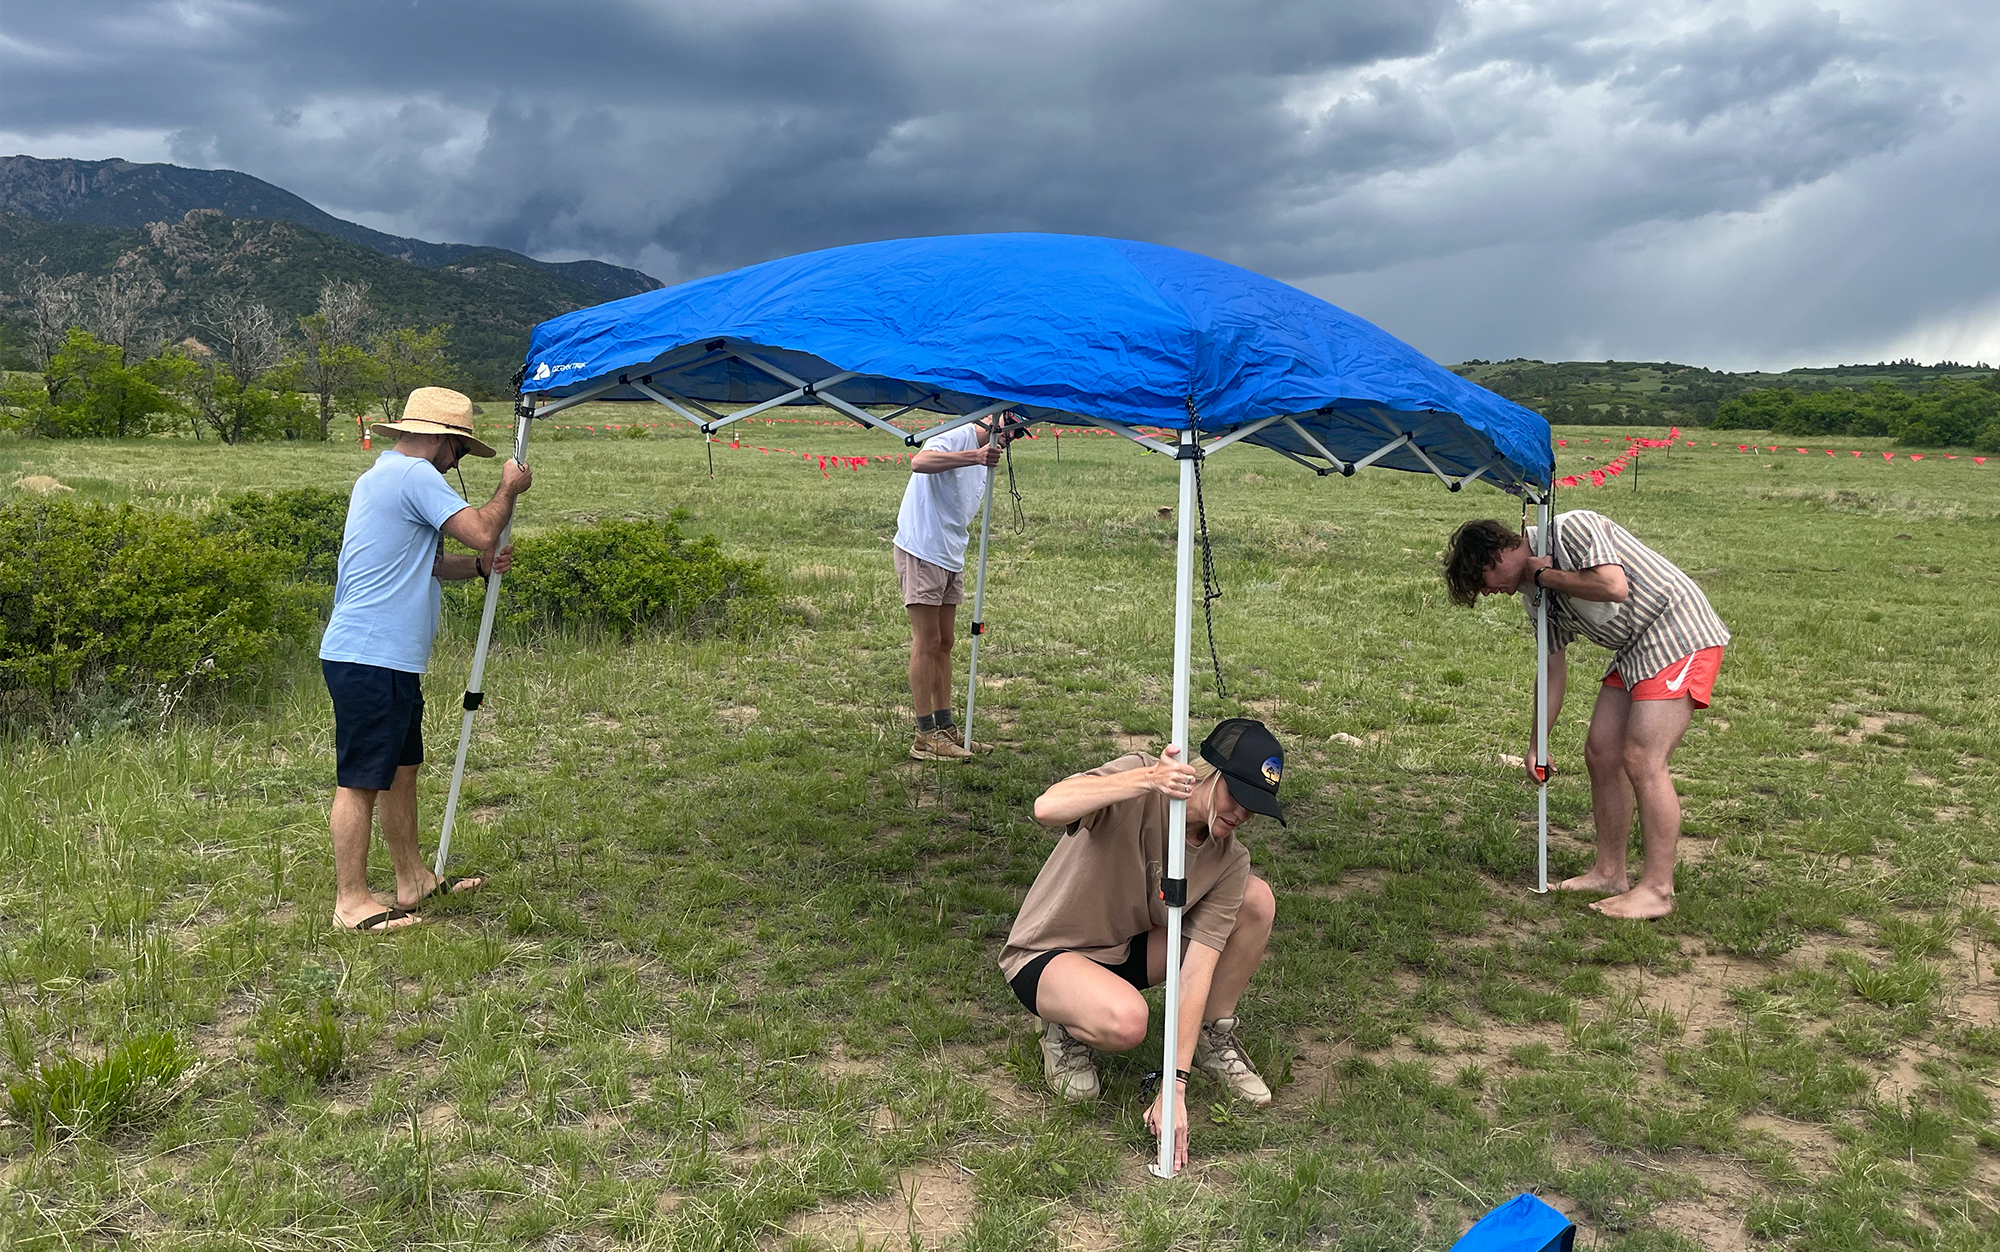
(1681, 677)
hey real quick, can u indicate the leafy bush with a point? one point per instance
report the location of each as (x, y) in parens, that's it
(620, 575)
(301, 1051)
(303, 524)
(1951, 412)
(103, 611)
(90, 391)
(66, 1097)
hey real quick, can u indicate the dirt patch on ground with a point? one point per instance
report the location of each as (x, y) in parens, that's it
(40, 484)
(1698, 998)
(1080, 1230)
(739, 715)
(603, 721)
(929, 1205)
(1871, 724)
(1358, 882)
(1812, 1147)
(1134, 743)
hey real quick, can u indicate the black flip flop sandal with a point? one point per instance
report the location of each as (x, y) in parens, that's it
(377, 921)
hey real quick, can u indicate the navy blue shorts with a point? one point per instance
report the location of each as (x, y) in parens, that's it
(1027, 984)
(378, 722)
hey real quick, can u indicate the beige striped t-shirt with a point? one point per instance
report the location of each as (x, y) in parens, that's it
(1664, 618)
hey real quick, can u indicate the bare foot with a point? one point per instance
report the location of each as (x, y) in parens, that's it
(1639, 904)
(432, 885)
(373, 917)
(1594, 881)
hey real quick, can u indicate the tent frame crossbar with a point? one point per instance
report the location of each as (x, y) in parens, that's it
(1384, 450)
(1292, 424)
(1126, 432)
(1216, 445)
(681, 405)
(567, 402)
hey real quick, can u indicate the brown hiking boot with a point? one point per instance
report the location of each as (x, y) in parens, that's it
(937, 745)
(957, 735)
(1220, 1052)
(1066, 1061)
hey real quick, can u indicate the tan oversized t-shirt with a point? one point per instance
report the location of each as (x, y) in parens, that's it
(1101, 886)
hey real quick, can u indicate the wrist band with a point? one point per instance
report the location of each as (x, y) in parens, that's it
(1181, 1075)
(1539, 571)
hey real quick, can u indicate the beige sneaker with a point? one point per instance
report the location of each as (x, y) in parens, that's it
(1066, 1061)
(1220, 1052)
(937, 745)
(957, 735)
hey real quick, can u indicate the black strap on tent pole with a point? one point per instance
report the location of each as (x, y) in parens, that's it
(1014, 490)
(708, 442)
(1211, 587)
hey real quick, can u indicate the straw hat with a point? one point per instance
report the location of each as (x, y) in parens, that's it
(437, 411)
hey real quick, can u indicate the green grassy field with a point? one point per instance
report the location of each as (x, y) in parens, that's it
(733, 985)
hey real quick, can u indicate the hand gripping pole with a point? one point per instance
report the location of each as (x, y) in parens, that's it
(1177, 809)
(475, 691)
(978, 606)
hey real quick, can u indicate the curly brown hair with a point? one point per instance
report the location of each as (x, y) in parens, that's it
(1473, 549)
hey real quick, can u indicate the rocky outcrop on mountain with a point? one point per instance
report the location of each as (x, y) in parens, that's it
(490, 298)
(129, 194)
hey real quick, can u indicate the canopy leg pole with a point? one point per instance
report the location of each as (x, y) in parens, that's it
(1177, 809)
(475, 682)
(978, 607)
(1542, 705)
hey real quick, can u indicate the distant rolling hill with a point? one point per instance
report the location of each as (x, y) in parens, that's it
(128, 194)
(491, 297)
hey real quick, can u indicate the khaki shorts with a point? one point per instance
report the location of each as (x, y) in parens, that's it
(924, 583)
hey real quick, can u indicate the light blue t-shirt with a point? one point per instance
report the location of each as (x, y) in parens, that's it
(385, 602)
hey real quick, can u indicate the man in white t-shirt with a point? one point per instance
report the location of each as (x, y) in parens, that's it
(947, 483)
(378, 641)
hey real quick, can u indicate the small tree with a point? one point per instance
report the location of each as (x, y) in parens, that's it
(331, 362)
(233, 388)
(53, 305)
(407, 358)
(118, 310)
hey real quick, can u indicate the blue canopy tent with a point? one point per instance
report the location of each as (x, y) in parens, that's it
(1066, 329)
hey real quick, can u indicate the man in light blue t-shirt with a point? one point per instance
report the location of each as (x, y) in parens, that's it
(378, 640)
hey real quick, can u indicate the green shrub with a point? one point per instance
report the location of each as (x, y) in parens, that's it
(301, 1051)
(66, 1097)
(302, 524)
(621, 575)
(107, 611)
(90, 391)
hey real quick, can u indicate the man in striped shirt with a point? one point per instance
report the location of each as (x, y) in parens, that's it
(1666, 645)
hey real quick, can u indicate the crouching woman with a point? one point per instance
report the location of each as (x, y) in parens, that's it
(1091, 935)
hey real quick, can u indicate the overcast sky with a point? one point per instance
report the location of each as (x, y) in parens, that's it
(1737, 184)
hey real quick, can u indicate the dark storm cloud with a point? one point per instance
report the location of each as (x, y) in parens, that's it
(1371, 146)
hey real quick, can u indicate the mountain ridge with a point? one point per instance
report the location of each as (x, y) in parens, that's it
(490, 298)
(129, 194)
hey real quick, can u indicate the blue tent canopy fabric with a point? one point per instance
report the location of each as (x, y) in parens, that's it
(1062, 328)
(1522, 1224)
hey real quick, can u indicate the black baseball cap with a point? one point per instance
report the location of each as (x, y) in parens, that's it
(1248, 755)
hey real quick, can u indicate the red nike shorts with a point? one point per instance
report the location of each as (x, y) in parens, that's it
(1691, 676)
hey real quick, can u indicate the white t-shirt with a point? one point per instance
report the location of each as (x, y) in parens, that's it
(938, 508)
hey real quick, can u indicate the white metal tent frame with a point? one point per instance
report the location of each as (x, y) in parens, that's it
(654, 383)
